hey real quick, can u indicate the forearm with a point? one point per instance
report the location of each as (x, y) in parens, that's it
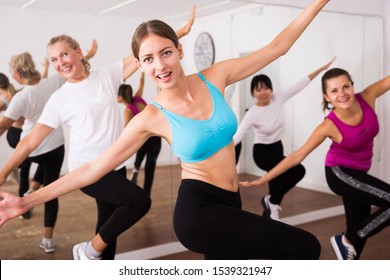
(20, 153)
(287, 163)
(80, 177)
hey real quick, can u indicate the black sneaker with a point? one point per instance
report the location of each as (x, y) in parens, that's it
(26, 216)
(265, 203)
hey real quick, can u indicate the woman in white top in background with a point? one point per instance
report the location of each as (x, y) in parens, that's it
(266, 118)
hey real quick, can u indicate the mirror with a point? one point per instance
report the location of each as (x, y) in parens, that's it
(235, 32)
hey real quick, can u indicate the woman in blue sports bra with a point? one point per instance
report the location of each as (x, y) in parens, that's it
(190, 114)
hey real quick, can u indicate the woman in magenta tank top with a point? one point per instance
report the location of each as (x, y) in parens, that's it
(352, 125)
(152, 147)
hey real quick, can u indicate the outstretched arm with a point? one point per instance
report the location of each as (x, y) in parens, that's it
(129, 64)
(24, 148)
(319, 70)
(131, 139)
(296, 157)
(5, 123)
(372, 92)
(230, 71)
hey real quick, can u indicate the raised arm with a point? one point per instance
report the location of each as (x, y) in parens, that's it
(230, 71)
(372, 92)
(141, 85)
(33, 139)
(318, 136)
(319, 70)
(91, 53)
(45, 65)
(129, 64)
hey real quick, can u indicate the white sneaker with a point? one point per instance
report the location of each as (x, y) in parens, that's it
(47, 245)
(270, 210)
(79, 252)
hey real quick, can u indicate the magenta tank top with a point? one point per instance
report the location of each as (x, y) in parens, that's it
(356, 149)
(133, 105)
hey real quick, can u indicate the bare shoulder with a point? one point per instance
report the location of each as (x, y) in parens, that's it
(153, 120)
(328, 129)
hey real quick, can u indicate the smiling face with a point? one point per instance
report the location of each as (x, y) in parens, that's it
(67, 61)
(160, 59)
(340, 92)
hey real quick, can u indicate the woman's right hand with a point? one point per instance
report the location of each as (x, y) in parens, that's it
(257, 182)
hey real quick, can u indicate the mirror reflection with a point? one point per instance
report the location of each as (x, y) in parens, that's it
(309, 201)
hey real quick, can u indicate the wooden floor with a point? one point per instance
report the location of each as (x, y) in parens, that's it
(77, 216)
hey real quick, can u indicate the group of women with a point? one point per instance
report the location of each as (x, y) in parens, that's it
(190, 113)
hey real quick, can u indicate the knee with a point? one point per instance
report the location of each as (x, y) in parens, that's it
(300, 171)
(146, 203)
(313, 248)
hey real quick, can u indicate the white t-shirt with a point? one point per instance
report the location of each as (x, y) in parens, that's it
(267, 121)
(29, 103)
(90, 110)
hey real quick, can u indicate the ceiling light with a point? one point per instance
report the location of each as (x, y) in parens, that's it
(199, 9)
(29, 3)
(115, 7)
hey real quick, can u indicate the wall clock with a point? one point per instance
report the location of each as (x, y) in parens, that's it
(204, 51)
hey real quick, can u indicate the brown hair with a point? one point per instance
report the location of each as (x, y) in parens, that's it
(72, 43)
(330, 74)
(6, 85)
(156, 27)
(24, 64)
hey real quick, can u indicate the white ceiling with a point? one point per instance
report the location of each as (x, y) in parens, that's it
(144, 9)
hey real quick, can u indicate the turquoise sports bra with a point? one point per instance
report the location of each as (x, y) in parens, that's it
(197, 140)
(4, 101)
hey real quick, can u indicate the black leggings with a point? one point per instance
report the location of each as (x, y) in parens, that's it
(151, 148)
(50, 163)
(266, 157)
(120, 204)
(13, 138)
(359, 192)
(209, 220)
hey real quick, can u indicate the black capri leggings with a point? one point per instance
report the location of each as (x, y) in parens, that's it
(359, 192)
(13, 138)
(266, 157)
(151, 148)
(209, 220)
(50, 163)
(120, 204)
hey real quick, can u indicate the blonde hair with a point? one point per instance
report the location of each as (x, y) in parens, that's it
(72, 43)
(25, 66)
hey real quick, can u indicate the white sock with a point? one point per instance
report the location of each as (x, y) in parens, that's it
(45, 240)
(90, 251)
